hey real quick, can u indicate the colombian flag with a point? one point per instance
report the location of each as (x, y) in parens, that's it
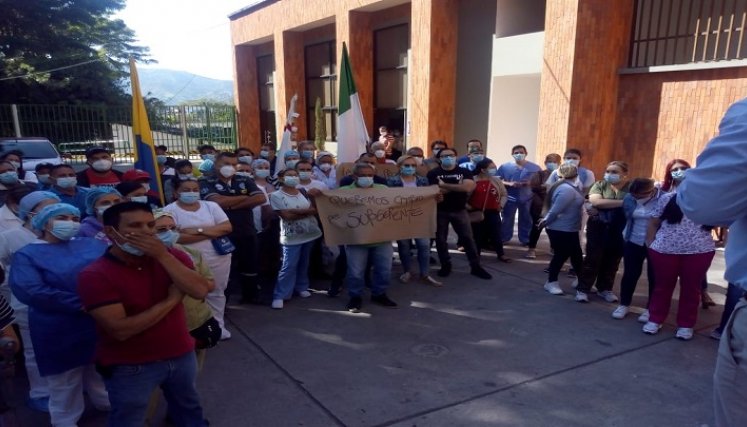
(145, 152)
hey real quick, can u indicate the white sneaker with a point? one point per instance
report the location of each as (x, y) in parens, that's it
(651, 328)
(405, 278)
(531, 254)
(608, 296)
(620, 312)
(277, 304)
(304, 294)
(225, 335)
(685, 334)
(581, 297)
(575, 283)
(643, 318)
(553, 288)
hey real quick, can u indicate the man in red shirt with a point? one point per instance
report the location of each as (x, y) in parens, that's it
(99, 172)
(134, 294)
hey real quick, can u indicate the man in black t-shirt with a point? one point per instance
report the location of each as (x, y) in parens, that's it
(455, 183)
(237, 195)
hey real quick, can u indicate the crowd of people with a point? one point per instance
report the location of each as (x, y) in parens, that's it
(135, 285)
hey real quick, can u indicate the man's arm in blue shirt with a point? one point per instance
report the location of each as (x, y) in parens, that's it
(715, 192)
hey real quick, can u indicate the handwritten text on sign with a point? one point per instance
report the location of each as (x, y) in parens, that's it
(363, 216)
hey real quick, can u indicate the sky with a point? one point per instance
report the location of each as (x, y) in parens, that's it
(185, 35)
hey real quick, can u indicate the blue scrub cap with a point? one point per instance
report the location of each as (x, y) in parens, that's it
(206, 166)
(32, 199)
(95, 194)
(290, 153)
(40, 219)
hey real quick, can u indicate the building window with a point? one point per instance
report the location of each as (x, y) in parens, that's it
(266, 87)
(390, 78)
(669, 32)
(321, 82)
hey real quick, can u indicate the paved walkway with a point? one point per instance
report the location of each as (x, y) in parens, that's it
(473, 353)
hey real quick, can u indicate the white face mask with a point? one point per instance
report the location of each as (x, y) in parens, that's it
(227, 171)
(379, 154)
(102, 165)
(326, 167)
(146, 186)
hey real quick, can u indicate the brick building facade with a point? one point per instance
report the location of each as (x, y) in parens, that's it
(642, 81)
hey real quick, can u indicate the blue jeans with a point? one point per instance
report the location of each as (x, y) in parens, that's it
(381, 263)
(525, 220)
(424, 251)
(294, 272)
(130, 388)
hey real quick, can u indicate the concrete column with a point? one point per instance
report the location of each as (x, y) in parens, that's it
(246, 97)
(586, 43)
(290, 80)
(433, 73)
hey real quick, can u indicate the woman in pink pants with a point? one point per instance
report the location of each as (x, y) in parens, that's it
(678, 249)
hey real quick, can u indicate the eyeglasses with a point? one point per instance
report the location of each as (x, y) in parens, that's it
(683, 168)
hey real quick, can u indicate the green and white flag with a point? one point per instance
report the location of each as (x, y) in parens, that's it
(352, 135)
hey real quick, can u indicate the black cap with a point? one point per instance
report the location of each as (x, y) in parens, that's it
(95, 150)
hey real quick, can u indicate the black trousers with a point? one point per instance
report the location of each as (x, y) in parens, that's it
(604, 250)
(565, 245)
(488, 230)
(633, 257)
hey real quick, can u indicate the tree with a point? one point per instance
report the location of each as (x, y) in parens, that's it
(41, 35)
(320, 126)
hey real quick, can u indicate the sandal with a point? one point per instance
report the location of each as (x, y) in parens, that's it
(706, 300)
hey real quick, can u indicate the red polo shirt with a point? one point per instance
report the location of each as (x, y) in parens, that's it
(109, 281)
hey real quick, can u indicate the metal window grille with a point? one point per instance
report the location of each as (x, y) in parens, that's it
(669, 32)
(74, 128)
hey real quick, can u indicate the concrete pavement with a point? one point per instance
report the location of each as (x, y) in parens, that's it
(473, 353)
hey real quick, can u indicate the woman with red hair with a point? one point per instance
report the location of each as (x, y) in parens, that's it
(673, 176)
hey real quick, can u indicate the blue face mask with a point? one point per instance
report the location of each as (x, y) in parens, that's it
(64, 229)
(492, 171)
(477, 158)
(291, 164)
(168, 237)
(246, 159)
(264, 154)
(161, 159)
(678, 175)
(448, 161)
(551, 166)
(291, 181)
(189, 197)
(519, 156)
(307, 154)
(262, 173)
(304, 175)
(67, 182)
(10, 177)
(365, 181)
(408, 170)
(612, 178)
(210, 157)
(128, 247)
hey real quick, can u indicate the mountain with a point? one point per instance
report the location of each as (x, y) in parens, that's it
(180, 87)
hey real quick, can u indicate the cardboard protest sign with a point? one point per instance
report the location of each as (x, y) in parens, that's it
(384, 171)
(372, 215)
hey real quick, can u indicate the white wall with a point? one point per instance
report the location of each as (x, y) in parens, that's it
(515, 95)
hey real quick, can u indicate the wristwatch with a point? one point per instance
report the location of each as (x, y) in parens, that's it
(200, 230)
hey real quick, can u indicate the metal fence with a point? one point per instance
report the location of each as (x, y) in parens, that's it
(668, 32)
(74, 128)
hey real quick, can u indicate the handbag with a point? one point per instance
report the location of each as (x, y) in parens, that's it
(479, 216)
(223, 245)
